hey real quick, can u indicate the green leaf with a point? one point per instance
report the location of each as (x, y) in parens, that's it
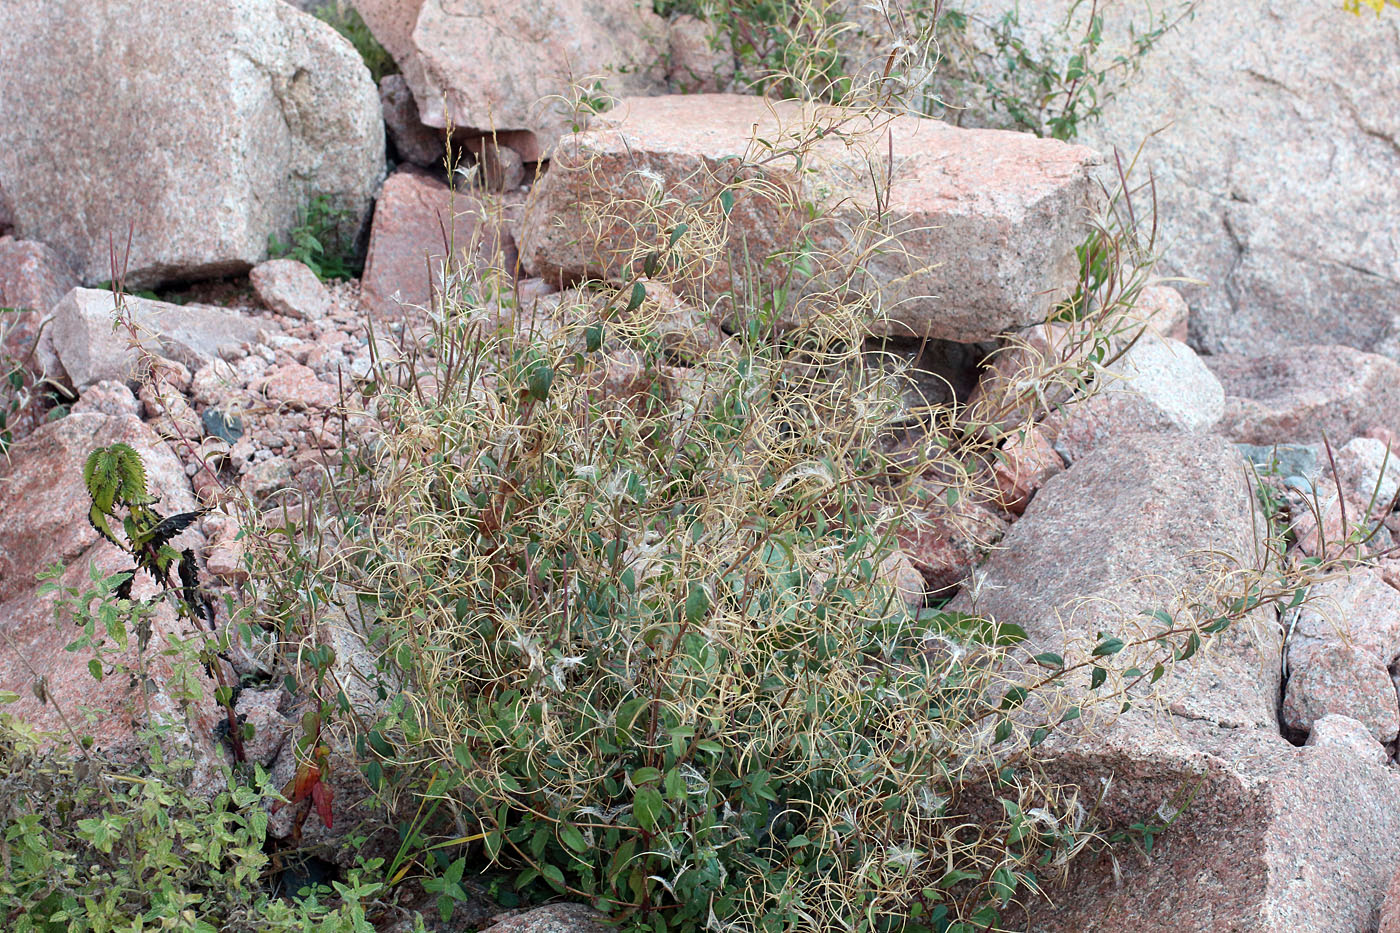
(697, 604)
(1097, 678)
(647, 807)
(1049, 659)
(540, 379)
(553, 875)
(726, 201)
(572, 838)
(1108, 646)
(639, 294)
(593, 337)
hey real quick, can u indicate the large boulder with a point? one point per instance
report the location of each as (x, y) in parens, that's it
(493, 65)
(987, 221)
(194, 128)
(1264, 837)
(44, 521)
(1272, 133)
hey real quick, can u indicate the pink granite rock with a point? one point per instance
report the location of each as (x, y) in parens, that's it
(298, 387)
(1158, 385)
(1298, 394)
(1346, 637)
(1000, 212)
(494, 65)
(33, 279)
(91, 350)
(43, 520)
(1275, 838)
(1026, 463)
(418, 223)
(415, 143)
(207, 129)
(1350, 735)
(289, 287)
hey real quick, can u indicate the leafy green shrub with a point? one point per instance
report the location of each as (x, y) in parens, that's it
(631, 589)
(93, 846)
(319, 241)
(346, 20)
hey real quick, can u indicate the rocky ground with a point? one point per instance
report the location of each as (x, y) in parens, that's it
(239, 385)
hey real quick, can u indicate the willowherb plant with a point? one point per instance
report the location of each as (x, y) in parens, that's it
(631, 577)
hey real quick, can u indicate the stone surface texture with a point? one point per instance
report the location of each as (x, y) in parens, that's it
(553, 918)
(1298, 394)
(1277, 192)
(91, 351)
(415, 143)
(987, 221)
(494, 65)
(33, 279)
(204, 130)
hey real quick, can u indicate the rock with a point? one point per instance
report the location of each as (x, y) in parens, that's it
(1162, 309)
(296, 386)
(501, 166)
(32, 276)
(1155, 506)
(415, 143)
(1158, 385)
(1369, 471)
(1002, 212)
(261, 709)
(1346, 733)
(1390, 911)
(1014, 389)
(407, 241)
(33, 279)
(1275, 838)
(492, 65)
(209, 127)
(945, 542)
(1300, 394)
(552, 918)
(289, 287)
(223, 557)
(1027, 463)
(1346, 637)
(1288, 460)
(1277, 197)
(899, 572)
(43, 521)
(702, 60)
(90, 350)
(109, 398)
